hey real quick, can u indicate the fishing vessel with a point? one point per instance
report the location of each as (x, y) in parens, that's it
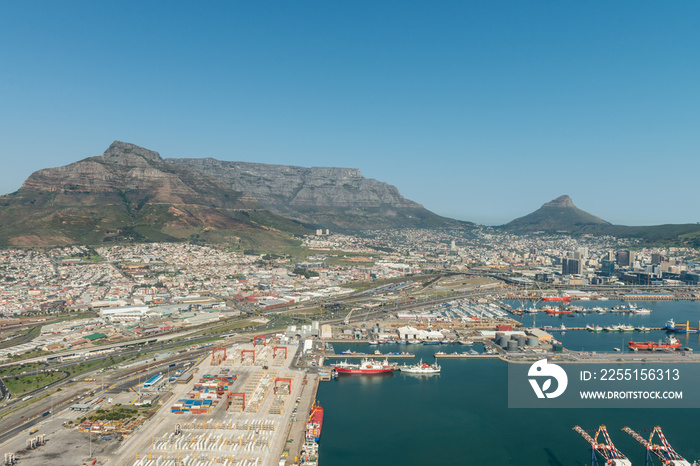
(421, 368)
(594, 328)
(670, 342)
(671, 326)
(366, 366)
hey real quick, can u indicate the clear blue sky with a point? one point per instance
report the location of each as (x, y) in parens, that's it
(480, 110)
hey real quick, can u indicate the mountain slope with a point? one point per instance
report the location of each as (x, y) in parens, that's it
(559, 215)
(130, 193)
(337, 198)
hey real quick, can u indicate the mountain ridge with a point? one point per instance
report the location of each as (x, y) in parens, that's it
(328, 197)
(129, 193)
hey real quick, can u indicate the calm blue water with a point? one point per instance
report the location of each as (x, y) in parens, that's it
(461, 416)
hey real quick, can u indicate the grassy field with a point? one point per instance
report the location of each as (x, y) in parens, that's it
(19, 385)
(16, 370)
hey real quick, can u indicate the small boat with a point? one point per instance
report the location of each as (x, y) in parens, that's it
(642, 329)
(641, 311)
(373, 342)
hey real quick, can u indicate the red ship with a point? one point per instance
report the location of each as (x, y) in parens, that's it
(670, 342)
(367, 366)
(313, 428)
(554, 312)
(556, 298)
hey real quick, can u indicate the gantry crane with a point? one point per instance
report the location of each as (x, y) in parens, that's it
(664, 451)
(612, 456)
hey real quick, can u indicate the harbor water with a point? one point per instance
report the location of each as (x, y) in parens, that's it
(461, 415)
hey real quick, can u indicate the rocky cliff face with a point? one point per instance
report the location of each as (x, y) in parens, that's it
(131, 189)
(324, 196)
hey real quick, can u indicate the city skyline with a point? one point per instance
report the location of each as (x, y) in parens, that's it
(481, 112)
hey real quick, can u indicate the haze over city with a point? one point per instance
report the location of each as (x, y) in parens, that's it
(479, 111)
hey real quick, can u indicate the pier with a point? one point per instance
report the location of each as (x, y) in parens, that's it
(370, 355)
(466, 356)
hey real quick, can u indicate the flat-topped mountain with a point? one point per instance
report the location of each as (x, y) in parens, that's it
(327, 197)
(558, 215)
(130, 193)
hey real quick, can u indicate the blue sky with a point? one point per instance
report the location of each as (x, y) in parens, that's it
(481, 111)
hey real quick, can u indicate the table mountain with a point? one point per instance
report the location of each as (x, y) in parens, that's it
(335, 198)
(131, 193)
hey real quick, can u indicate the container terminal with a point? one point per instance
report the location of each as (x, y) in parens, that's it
(242, 405)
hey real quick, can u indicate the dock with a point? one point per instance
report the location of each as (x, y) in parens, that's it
(370, 355)
(466, 356)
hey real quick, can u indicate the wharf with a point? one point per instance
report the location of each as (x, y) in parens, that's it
(557, 329)
(466, 356)
(369, 355)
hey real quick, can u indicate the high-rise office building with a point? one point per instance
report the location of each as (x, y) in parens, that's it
(571, 266)
(607, 268)
(625, 258)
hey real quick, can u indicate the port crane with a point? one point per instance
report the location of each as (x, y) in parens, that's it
(664, 451)
(612, 456)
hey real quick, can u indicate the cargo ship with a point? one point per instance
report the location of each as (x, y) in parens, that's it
(669, 343)
(367, 366)
(671, 326)
(313, 427)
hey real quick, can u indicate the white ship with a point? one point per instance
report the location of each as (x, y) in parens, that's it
(421, 368)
